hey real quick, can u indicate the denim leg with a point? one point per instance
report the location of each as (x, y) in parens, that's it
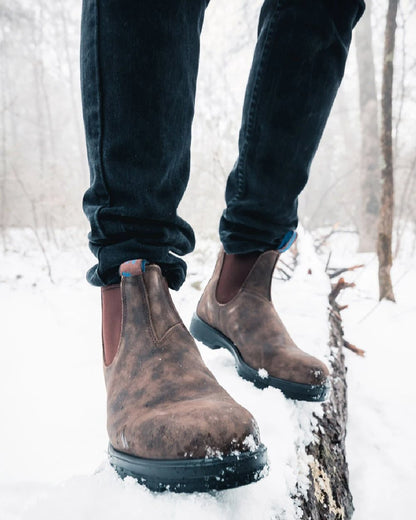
(139, 63)
(298, 65)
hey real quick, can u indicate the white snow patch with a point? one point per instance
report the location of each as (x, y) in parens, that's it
(263, 373)
(250, 443)
(213, 454)
(51, 377)
(381, 390)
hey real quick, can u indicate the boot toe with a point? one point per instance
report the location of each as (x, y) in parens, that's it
(316, 372)
(200, 430)
(296, 366)
(299, 368)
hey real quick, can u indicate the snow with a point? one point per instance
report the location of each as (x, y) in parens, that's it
(263, 373)
(381, 389)
(250, 442)
(52, 398)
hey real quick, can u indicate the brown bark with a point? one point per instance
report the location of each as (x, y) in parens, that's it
(329, 496)
(370, 142)
(337, 272)
(354, 348)
(385, 225)
(336, 289)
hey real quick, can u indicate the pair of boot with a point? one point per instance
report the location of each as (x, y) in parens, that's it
(170, 424)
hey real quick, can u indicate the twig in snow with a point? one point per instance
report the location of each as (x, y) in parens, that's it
(34, 228)
(353, 348)
(327, 262)
(286, 265)
(337, 288)
(337, 272)
(318, 243)
(284, 273)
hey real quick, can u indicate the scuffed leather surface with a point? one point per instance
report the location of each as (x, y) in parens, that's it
(251, 322)
(163, 402)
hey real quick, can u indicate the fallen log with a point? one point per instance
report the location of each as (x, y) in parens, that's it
(328, 496)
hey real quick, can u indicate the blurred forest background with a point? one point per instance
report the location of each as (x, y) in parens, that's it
(43, 167)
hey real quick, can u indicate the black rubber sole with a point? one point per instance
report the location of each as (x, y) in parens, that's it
(192, 475)
(214, 339)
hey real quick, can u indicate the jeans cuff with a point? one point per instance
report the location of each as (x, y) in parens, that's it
(287, 241)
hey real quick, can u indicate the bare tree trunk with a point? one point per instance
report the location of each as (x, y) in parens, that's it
(3, 168)
(385, 225)
(407, 195)
(37, 66)
(370, 143)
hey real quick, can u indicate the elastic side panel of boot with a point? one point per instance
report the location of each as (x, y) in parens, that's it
(260, 277)
(163, 314)
(111, 321)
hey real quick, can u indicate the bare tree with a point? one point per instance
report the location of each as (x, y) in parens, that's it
(370, 143)
(385, 225)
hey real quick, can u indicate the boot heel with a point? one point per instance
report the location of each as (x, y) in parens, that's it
(207, 335)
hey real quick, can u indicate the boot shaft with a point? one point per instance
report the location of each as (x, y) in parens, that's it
(142, 296)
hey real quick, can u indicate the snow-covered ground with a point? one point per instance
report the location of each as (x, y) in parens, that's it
(52, 398)
(382, 390)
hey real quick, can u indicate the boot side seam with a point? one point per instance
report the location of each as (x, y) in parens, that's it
(147, 309)
(109, 288)
(255, 266)
(169, 302)
(246, 281)
(169, 332)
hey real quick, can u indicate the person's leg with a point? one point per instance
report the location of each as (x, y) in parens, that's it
(139, 63)
(167, 416)
(298, 65)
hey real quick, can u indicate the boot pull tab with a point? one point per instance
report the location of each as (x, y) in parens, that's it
(133, 268)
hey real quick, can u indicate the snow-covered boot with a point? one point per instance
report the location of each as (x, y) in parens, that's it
(249, 326)
(170, 424)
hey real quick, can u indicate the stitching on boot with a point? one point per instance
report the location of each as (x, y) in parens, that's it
(169, 332)
(140, 282)
(169, 302)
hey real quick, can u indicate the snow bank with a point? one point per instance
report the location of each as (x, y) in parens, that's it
(381, 388)
(52, 399)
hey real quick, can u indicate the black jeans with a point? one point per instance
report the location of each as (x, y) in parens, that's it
(139, 63)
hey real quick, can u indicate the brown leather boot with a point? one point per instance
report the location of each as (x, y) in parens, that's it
(249, 326)
(170, 424)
